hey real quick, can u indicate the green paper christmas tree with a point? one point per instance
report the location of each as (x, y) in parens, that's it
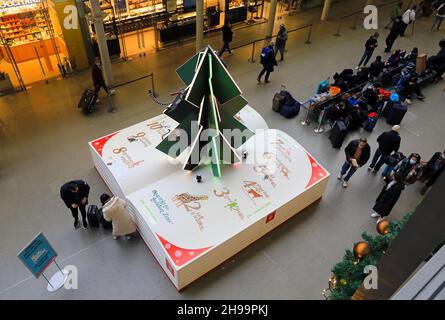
(205, 112)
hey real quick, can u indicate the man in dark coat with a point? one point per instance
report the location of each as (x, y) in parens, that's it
(268, 61)
(376, 67)
(388, 142)
(75, 196)
(388, 197)
(98, 78)
(370, 46)
(227, 38)
(281, 41)
(434, 168)
(357, 154)
(393, 34)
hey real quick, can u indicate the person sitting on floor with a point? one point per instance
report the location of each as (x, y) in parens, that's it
(408, 85)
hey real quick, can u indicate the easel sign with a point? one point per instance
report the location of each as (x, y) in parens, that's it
(37, 256)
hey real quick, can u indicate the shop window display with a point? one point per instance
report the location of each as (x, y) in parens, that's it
(32, 40)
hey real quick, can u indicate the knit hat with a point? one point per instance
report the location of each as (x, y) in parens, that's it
(396, 128)
(394, 97)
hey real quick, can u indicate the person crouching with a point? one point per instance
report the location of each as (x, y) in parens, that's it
(115, 211)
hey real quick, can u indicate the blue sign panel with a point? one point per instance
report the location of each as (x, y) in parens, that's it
(37, 255)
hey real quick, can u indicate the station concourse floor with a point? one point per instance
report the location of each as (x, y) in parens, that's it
(43, 143)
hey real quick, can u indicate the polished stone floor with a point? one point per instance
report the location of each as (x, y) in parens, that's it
(43, 143)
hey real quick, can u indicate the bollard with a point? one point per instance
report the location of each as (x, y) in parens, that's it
(308, 41)
(252, 59)
(354, 25)
(338, 29)
(153, 84)
(320, 128)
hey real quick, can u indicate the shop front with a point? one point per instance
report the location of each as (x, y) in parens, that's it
(32, 47)
(139, 26)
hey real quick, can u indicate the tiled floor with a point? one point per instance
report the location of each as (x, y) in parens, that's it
(43, 143)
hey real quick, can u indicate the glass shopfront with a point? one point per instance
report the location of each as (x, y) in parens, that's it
(137, 26)
(32, 47)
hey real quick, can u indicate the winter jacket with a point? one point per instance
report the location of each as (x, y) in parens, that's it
(430, 173)
(389, 141)
(281, 38)
(376, 68)
(268, 59)
(115, 210)
(227, 34)
(96, 73)
(74, 198)
(387, 198)
(350, 150)
(371, 44)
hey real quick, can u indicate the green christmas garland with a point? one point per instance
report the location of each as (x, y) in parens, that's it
(348, 273)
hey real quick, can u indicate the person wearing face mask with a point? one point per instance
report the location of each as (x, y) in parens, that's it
(388, 197)
(357, 154)
(434, 168)
(404, 167)
(98, 78)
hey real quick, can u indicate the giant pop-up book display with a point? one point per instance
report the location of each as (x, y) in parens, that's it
(249, 185)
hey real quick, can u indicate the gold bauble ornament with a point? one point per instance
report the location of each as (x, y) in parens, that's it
(361, 250)
(343, 282)
(383, 227)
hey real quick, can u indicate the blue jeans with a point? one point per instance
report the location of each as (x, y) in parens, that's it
(347, 166)
(387, 172)
(366, 56)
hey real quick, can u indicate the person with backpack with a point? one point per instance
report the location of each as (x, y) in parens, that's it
(388, 197)
(281, 41)
(407, 18)
(391, 162)
(440, 14)
(396, 12)
(268, 61)
(433, 170)
(115, 211)
(370, 46)
(357, 154)
(75, 196)
(227, 38)
(388, 142)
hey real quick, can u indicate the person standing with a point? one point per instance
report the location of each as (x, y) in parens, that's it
(98, 78)
(115, 210)
(396, 29)
(370, 46)
(357, 154)
(405, 166)
(388, 197)
(395, 13)
(440, 14)
(227, 38)
(75, 196)
(408, 17)
(388, 142)
(268, 61)
(433, 170)
(281, 41)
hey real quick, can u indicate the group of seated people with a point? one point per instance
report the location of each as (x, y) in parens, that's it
(363, 93)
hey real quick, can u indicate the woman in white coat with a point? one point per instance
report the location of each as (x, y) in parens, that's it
(115, 210)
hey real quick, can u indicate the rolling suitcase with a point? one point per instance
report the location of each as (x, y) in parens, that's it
(88, 101)
(396, 113)
(371, 122)
(338, 134)
(92, 215)
(279, 99)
